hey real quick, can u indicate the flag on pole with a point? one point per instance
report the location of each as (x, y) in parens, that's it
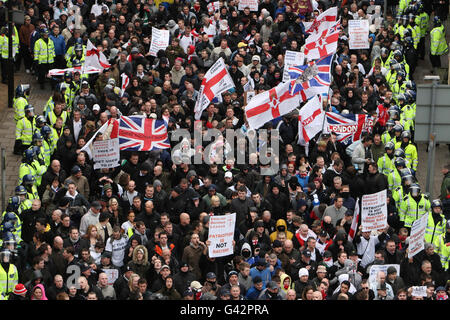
(139, 133)
(354, 226)
(312, 78)
(216, 80)
(125, 83)
(322, 44)
(310, 120)
(270, 105)
(322, 21)
(86, 70)
(95, 58)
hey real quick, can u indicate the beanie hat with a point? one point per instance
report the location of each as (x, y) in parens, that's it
(20, 289)
(303, 272)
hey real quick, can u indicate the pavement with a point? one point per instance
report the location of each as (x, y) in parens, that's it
(39, 97)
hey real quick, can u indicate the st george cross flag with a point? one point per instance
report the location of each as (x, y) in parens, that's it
(348, 127)
(95, 58)
(216, 81)
(322, 21)
(270, 104)
(125, 83)
(354, 225)
(310, 120)
(322, 44)
(86, 70)
(312, 78)
(138, 133)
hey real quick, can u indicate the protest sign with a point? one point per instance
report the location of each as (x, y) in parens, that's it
(106, 153)
(374, 269)
(358, 31)
(112, 274)
(374, 211)
(419, 291)
(252, 4)
(417, 236)
(160, 40)
(221, 231)
(292, 58)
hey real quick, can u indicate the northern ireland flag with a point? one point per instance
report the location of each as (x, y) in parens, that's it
(310, 120)
(323, 21)
(322, 44)
(95, 58)
(138, 133)
(270, 105)
(216, 80)
(354, 226)
(312, 78)
(348, 127)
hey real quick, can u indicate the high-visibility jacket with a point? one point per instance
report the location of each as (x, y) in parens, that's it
(411, 156)
(46, 152)
(52, 117)
(398, 195)
(397, 89)
(24, 169)
(19, 105)
(71, 52)
(394, 180)
(39, 171)
(8, 280)
(438, 45)
(55, 138)
(49, 106)
(23, 206)
(386, 137)
(17, 227)
(386, 164)
(69, 61)
(415, 32)
(4, 44)
(407, 117)
(434, 231)
(391, 77)
(24, 130)
(33, 193)
(397, 142)
(44, 52)
(424, 19)
(402, 5)
(444, 253)
(410, 210)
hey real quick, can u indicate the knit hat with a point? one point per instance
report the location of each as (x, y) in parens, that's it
(20, 289)
(303, 272)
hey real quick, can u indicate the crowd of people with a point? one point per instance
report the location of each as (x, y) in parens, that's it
(140, 230)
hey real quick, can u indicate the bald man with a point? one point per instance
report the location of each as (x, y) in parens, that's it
(54, 171)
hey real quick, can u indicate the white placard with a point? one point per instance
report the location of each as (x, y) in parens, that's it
(374, 269)
(252, 4)
(160, 40)
(106, 153)
(374, 211)
(292, 58)
(417, 237)
(221, 232)
(113, 275)
(358, 31)
(419, 291)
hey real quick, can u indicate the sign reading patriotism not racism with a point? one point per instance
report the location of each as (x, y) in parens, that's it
(221, 231)
(374, 211)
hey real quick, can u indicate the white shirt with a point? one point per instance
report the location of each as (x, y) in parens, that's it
(367, 249)
(77, 125)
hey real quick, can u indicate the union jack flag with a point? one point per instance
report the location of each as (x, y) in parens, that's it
(139, 133)
(312, 78)
(348, 127)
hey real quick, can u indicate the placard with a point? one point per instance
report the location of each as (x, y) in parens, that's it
(417, 236)
(113, 275)
(358, 31)
(374, 211)
(292, 58)
(375, 268)
(419, 291)
(160, 40)
(106, 153)
(252, 4)
(221, 232)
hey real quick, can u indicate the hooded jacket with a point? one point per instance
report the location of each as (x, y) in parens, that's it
(140, 267)
(281, 223)
(291, 283)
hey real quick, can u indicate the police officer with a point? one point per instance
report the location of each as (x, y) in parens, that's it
(77, 55)
(414, 205)
(48, 143)
(437, 224)
(4, 50)
(408, 114)
(24, 202)
(26, 167)
(422, 19)
(438, 46)
(398, 129)
(29, 182)
(388, 134)
(9, 275)
(394, 178)
(410, 150)
(24, 130)
(386, 162)
(20, 101)
(44, 55)
(13, 218)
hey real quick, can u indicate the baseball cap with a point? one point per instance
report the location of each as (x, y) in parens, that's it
(255, 57)
(277, 244)
(323, 233)
(242, 44)
(196, 285)
(96, 107)
(165, 266)
(106, 254)
(232, 272)
(211, 275)
(272, 285)
(306, 253)
(188, 292)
